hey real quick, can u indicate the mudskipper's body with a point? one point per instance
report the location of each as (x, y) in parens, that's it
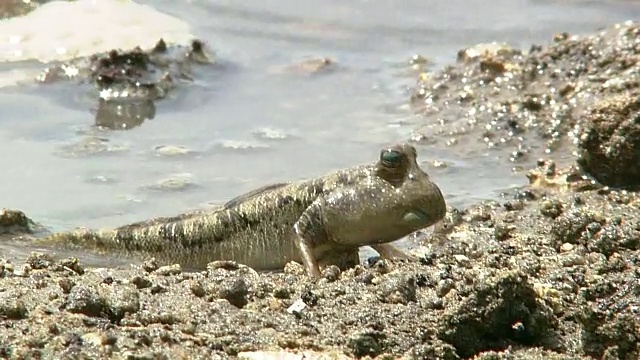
(316, 222)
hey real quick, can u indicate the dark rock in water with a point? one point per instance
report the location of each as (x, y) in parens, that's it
(14, 221)
(143, 75)
(610, 141)
(128, 83)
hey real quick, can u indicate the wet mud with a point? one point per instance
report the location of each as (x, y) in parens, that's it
(523, 104)
(551, 271)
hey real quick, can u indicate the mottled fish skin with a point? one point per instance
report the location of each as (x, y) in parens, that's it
(318, 222)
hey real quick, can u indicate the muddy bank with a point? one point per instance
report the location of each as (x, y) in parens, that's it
(523, 104)
(550, 272)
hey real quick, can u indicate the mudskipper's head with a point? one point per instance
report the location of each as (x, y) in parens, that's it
(422, 197)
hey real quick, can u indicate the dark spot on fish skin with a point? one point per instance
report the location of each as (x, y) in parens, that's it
(343, 178)
(217, 238)
(244, 220)
(317, 189)
(171, 231)
(98, 241)
(176, 233)
(283, 201)
(128, 241)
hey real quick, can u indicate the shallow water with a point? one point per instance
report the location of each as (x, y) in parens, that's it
(249, 123)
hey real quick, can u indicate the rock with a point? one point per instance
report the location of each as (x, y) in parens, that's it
(497, 303)
(92, 338)
(141, 282)
(234, 290)
(569, 227)
(307, 66)
(90, 146)
(172, 150)
(367, 343)
(611, 329)
(120, 301)
(551, 208)
(167, 270)
(128, 83)
(12, 306)
(14, 221)
(526, 354)
(566, 247)
(177, 182)
(87, 300)
(610, 141)
(297, 307)
(38, 260)
(101, 301)
(69, 264)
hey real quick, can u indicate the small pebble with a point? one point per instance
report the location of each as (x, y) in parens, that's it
(573, 260)
(141, 282)
(150, 265)
(171, 150)
(92, 338)
(444, 286)
(566, 247)
(167, 270)
(177, 183)
(297, 307)
(462, 260)
(197, 288)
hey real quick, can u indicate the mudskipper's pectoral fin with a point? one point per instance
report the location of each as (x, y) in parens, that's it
(309, 234)
(390, 252)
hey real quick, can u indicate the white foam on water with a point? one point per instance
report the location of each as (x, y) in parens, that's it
(62, 30)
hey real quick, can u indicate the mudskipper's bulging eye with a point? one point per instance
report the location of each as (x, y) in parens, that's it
(391, 157)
